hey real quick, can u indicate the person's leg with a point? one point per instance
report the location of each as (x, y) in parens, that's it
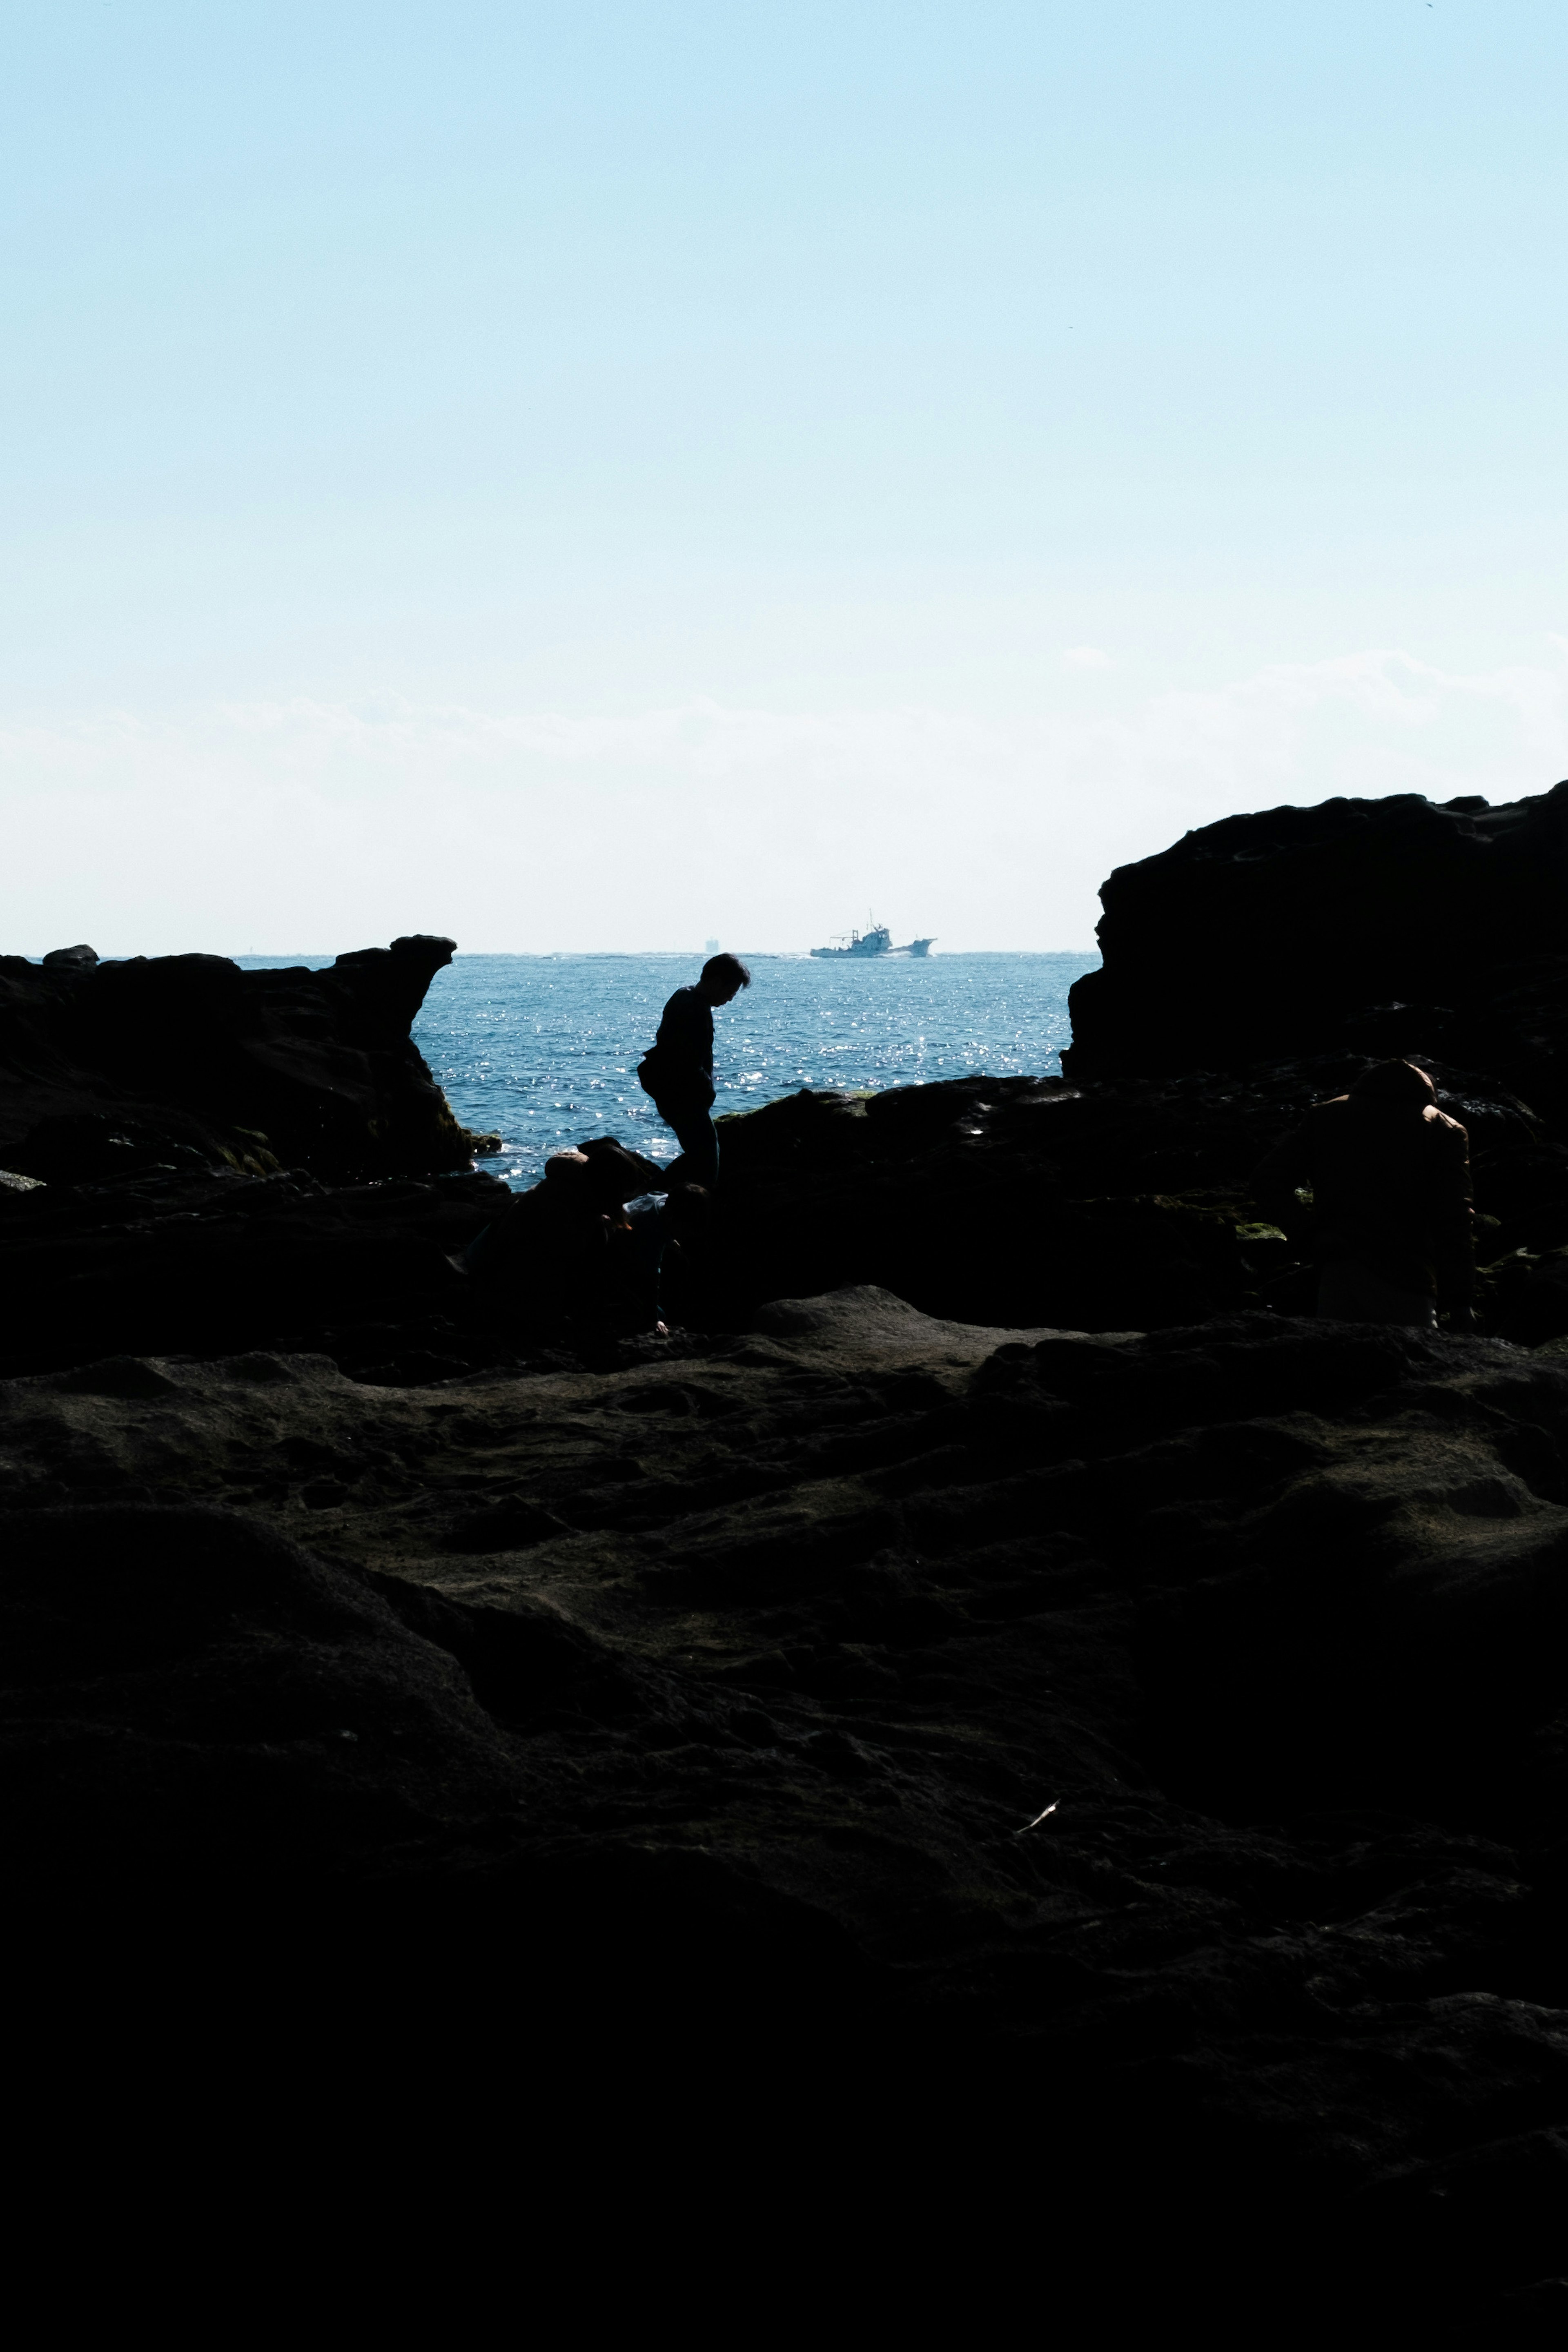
(698, 1138)
(647, 1252)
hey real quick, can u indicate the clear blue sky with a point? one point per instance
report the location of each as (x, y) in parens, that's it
(602, 474)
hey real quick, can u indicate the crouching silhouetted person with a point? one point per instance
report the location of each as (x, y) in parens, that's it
(546, 1258)
(1390, 1180)
(677, 1069)
(555, 1255)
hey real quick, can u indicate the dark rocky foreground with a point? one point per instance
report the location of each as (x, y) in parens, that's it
(1005, 1716)
(711, 1702)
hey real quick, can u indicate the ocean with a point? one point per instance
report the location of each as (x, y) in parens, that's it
(544, 1049)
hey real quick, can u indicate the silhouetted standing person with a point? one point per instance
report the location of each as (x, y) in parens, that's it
(1390, 1178)
(677, 1070)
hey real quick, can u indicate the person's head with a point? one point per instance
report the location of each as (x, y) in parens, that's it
(722, 976)
(687, 1209)
(1398, 1084)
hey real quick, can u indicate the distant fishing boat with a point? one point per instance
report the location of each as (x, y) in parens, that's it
(876, 940)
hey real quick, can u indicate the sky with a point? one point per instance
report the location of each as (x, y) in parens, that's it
(612, 474)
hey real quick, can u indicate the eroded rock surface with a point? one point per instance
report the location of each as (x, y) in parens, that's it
(1166, 1732)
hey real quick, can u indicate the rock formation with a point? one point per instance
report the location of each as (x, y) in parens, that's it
(115, 1069)
(1381, 927)
(1003, 1692)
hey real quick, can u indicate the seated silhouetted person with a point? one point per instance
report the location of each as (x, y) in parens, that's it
(568, 1253)
(1390, 1179)
(546, 1255)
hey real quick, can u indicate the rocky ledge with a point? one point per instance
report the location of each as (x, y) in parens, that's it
(1004, 1698)
(1162, 1732)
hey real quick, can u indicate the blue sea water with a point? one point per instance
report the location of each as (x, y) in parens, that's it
(544, 1049)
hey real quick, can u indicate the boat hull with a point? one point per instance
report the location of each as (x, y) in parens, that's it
(862, 952)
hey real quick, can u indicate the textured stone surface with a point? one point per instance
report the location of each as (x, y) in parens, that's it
(1165, 1733)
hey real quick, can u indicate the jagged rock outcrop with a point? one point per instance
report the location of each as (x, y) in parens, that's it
(187, 1061)
(1381, 927)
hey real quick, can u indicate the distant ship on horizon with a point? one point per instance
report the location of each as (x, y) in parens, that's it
(876, 940)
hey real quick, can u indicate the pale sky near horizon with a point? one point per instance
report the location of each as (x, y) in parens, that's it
(600, 476)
